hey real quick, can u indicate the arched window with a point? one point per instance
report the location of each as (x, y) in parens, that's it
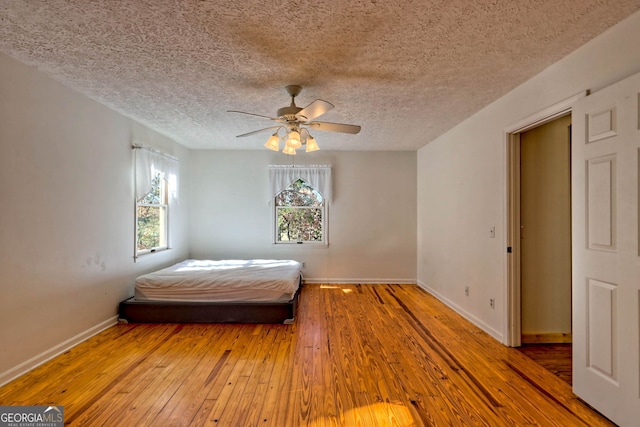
(300, 214)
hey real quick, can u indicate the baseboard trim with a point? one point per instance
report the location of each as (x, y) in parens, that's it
(45, 356)
(361, 281)
(470, 317)
(546, 338)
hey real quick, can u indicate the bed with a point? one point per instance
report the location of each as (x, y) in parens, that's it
(223, 291)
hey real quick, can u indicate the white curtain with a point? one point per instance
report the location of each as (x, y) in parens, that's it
(148, 164)
(319, 177)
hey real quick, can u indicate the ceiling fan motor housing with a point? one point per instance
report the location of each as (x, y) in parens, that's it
(289, 113)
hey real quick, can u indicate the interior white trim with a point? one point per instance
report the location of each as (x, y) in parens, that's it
(546, 115)
(34, 362)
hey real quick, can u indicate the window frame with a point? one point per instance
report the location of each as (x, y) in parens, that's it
(325, 220)
(164, 219)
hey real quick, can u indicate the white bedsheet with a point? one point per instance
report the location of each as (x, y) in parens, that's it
(254, 280)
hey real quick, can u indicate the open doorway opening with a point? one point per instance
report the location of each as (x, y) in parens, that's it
(545, 245)
(539, 237)
(545, 233)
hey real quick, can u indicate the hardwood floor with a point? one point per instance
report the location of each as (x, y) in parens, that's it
(555, 358)
(366, 355)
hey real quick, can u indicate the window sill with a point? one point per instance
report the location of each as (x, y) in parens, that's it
(305, 244)
(141, 254)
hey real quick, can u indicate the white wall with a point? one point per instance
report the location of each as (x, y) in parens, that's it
(372, 220)
(462, 178)
(66, 215)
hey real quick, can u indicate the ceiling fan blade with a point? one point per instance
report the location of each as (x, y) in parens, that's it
(313, 110)
(335, 127)
(257, 131)
(251, 114)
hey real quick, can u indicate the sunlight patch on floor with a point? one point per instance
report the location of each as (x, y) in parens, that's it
(345, 290)
(377, 414)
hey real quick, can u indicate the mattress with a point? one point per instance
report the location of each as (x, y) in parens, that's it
(254, 280)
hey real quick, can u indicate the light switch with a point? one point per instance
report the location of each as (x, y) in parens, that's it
(492, 232)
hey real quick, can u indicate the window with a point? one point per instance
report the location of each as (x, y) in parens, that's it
(300, 214)
(156, 179)
(152, 217)
(301, 195)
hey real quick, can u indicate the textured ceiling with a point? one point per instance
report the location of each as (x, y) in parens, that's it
(405, 70)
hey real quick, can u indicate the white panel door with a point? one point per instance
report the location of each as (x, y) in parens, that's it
(606, 254)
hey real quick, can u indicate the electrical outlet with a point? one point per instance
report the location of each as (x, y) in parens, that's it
(304, 265)
(466, 290)
(492, 303)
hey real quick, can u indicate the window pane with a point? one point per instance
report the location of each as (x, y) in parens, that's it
(152, 216)
(299, 194)
(299, 214)
(151, 227)
(299, 224)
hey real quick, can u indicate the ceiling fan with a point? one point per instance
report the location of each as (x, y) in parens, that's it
(297, 123)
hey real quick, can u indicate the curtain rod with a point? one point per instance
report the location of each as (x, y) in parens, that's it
(153, 150)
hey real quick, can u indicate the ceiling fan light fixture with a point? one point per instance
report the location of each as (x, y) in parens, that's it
(312, 145)
(294, 139)
(273, 143)
(289, 150)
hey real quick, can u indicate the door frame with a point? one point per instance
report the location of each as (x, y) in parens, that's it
(513, 297)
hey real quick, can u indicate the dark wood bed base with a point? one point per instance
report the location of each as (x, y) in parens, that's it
(132, 311)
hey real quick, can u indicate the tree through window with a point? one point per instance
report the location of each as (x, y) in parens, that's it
(300, 214)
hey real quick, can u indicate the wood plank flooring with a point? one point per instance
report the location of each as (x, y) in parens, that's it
(556, 358)
(357, 355)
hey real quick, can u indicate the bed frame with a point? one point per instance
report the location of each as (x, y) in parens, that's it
(133, 311)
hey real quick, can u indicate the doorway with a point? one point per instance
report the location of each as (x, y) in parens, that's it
(545, 245)
(545, 233)
(529, 296)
